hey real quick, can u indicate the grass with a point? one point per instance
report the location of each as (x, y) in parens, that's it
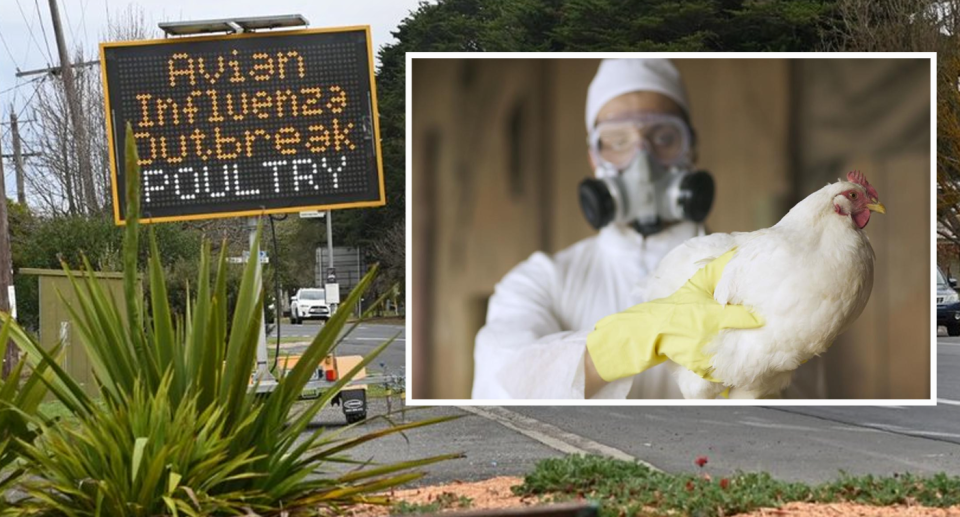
(285, 340)
(55, 410)
(444, 501)
(389, 318)
(625, 488)
(378, 391)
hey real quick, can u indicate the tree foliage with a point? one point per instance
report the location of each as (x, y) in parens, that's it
(920, 26)
(558, 25)
(50, 242)
(448, 25)
(948, 150)
(614, 25)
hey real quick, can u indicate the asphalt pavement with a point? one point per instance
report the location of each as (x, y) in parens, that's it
(811, 444)
(361, 341)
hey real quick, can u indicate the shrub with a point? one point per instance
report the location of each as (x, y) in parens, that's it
(164, 379)
(18, 401)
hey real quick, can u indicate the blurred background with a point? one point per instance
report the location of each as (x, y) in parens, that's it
(499, 147)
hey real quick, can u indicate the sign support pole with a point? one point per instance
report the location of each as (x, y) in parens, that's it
(331, 270)
(263, 363)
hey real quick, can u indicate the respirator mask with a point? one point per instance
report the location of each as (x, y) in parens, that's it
(643, 175)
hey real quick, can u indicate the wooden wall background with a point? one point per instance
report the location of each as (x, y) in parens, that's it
(499, 147)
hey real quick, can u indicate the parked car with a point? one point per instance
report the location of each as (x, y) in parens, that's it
(309, 304)
(948, 304)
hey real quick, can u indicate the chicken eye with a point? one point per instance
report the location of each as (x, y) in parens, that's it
(853, 195)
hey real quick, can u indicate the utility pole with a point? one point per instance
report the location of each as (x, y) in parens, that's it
(76, 115)
(17, 156)
(12, 356)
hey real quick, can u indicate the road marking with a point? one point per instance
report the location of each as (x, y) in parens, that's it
(850, 429)
(948, 402)
(869, 451)
(909, 431)
(551, 436)
(785, 427)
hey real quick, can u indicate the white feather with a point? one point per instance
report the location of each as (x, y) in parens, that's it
(809, 277)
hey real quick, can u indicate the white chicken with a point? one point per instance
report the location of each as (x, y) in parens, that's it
(809, 277)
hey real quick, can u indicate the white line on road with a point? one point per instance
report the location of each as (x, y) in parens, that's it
(765, 425)
(550, 435)
(856, 429)
(910, 431)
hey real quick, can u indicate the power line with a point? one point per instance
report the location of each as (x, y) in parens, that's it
(83, 19)
(32, 37)
(66, 13)
(34, 94)
(12, 59)
(20, 85)
(46, 41)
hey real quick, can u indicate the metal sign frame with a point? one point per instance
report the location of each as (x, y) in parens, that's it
(119, 218)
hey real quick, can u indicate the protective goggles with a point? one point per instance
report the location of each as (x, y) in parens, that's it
(666, 137)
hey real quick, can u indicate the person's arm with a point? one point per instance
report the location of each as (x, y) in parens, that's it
(523, 350)
(593, 383)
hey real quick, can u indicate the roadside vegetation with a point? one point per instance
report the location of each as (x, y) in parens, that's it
(625, 488)
(177, 426)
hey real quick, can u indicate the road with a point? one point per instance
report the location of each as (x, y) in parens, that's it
(811, 444)
(361, 341)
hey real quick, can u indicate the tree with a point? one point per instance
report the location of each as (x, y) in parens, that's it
(57, 185)
(919, 26)
(55, 182)
(616, 25)
(948, 150)
(561, 25)
(391, 248)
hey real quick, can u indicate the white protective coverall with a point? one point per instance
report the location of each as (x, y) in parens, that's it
(534, 341)
(538, 318)
(540, 314)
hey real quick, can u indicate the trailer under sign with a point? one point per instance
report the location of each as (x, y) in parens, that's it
(246, 124)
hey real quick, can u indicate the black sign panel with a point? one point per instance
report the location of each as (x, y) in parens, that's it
(246, 124)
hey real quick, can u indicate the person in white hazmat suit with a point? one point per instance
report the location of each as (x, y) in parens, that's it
(534, 341)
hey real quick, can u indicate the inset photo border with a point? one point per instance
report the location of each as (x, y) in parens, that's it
(549, 196)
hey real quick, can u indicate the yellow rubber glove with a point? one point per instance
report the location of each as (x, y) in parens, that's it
(676, 327)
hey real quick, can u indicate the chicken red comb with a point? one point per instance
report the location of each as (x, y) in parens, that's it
(858, 178)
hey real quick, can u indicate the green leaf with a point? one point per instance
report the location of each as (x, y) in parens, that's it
(138, 446)
(131, 241)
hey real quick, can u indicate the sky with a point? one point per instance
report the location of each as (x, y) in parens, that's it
(27, 41)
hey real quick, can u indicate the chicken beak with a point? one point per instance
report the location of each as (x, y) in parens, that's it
(877, 207)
